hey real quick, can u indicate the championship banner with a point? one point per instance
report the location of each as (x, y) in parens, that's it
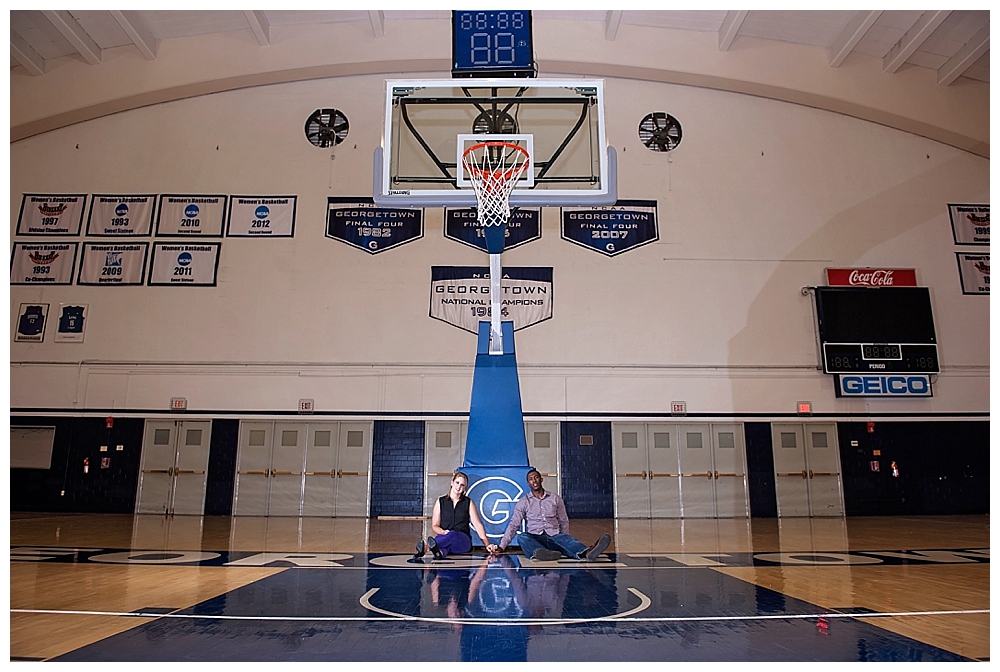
(461, 224)
(970, 224)
(72, 322)
(611, 229)
(256, 216)
(42, 263)
(360, 223)
(975, 272)
(460, 295)
(193, 264)
(182, 215)
(114, 215)
(51, 215)
(112, 264)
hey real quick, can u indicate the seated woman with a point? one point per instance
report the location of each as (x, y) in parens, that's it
(453, 514)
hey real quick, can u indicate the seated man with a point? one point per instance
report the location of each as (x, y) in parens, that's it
(546, 537)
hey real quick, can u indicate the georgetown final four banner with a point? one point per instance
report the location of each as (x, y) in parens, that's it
(194, 215)
(611, 229)
(51, 214)
(113, 264)
(460, 295)
(462, 224)
(194, 264)
(261, 216)
(121, 215)
(361, 224)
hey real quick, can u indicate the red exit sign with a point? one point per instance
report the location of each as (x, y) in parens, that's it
(871, 277)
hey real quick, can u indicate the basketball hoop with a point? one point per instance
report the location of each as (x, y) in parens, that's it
(494, 168)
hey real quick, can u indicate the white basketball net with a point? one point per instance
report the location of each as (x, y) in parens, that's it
(494, 168)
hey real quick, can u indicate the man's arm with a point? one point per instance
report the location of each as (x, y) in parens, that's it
(562, 515)
(516, 518)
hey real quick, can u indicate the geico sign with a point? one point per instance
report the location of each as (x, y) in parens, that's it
(888, 385)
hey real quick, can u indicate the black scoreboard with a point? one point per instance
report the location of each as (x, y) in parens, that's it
(877, 330)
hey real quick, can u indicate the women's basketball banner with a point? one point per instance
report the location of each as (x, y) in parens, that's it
(462, 224)
(51, 214)
(196, 215)
(975, 272)
(193, 264)
(42, 263)
(261, 216)
(121, 215)
(611, 229)
(460, 295)
(113, 264)
(970, 224)
(361, 224)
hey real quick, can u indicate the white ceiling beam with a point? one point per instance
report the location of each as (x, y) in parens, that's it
(77, 36)
(377, 18)
(730, 27)
(25, 55)
(611, 23)
(259, 25)
(971, 52)
(912, 39)
(137, 31)
(856, 29)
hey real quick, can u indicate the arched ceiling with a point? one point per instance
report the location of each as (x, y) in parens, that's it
(919, 71)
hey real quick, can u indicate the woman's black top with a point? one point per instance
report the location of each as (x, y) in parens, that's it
(455, 516)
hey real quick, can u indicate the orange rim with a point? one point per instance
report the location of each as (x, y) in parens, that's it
(505, 175)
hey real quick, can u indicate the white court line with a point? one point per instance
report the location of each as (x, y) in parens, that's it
(522, 621)
(644, 603)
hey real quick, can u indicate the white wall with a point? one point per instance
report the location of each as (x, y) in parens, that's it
(760, 198)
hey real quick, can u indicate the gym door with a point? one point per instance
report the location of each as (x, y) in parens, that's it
(174, 471)
(807, 469)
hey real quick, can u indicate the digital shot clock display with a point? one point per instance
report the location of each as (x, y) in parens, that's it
(492, 44)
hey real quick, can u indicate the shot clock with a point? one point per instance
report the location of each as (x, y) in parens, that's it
(494, 44)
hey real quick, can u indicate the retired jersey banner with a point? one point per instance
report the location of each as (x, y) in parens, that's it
(51, 215)
(125, 215)
(461, 224)
(72, 322)
(360, 223)
(194, 264)
(970, 224)
(113, 264)
(42, 263)
(975, 272)
(31, 322)
(182, 215)
(261, 216)
(460, 295)
(611, 229)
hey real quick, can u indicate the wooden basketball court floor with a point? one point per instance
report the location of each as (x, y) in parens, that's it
(150, 588)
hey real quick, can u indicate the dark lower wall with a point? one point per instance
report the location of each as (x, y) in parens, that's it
(222, 467)
(587, 473)
(943, 468)
(64, 486)
(760, 470)
(397, 468)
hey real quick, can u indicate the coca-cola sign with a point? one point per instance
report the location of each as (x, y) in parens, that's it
(871, 277)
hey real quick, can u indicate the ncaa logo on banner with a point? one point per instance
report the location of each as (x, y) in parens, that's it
(613, 229)
(495, 497)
